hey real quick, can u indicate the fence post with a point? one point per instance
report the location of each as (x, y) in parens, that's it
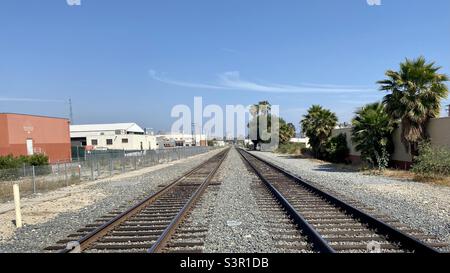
(34, 178)
(92, 170)
(110, 167)
(17, 205)
(65, 174)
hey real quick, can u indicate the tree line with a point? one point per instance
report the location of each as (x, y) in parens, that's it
(413, 97)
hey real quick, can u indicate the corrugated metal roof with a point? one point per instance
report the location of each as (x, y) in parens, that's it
(129, 127)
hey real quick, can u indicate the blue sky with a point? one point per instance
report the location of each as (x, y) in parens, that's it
(124, 61)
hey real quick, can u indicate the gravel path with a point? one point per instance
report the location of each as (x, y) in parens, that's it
(418, 205)
(73, 207)
(237, 225)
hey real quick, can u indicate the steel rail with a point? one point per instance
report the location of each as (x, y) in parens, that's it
(318, 243)
(392, 234)
(105, 228)
(165, 237)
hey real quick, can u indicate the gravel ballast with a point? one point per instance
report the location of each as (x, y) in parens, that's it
(237, 224)
(418, 205)
(74, 207)
(231, 210)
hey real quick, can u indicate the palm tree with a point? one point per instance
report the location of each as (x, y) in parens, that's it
(287, 131)
(291, 127)
(317, 125)
(372, 133)
(259, 112)
(416, 91)
(261, 108)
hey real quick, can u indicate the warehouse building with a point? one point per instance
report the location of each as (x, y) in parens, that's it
(180, 140)
(22, 134)
(115, 136)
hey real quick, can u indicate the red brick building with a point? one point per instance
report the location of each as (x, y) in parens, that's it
(28, 134)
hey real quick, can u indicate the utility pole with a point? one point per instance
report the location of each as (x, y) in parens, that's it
(194, 137)
(448, 110)
(70, 111)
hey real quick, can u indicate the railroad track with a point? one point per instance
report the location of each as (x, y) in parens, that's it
(150, 225)
(331, 225)
(286, 235)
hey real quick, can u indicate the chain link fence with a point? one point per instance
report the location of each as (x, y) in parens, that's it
(39, 179)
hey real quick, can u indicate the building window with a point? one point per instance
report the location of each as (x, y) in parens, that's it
(94, 142)
(109, 142)
(124, 140)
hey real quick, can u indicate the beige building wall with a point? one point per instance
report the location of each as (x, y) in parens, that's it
(123, 142)
(438, 130)
(400, 153)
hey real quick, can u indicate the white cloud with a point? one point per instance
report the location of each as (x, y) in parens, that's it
(161, 78)
(232, 81)
(374, 2)
(28, 100)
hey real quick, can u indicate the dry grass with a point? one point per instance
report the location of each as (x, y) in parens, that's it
(443, 181)
(408, 175)
(26, 186)
(390, 173)
(290, 148)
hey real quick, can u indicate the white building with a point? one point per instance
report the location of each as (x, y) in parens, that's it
(303, 140)
(180, 140)
(219, 143)
(115, 136)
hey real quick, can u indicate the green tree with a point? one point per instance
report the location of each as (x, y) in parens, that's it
(415, 94)
(259, 112)
(372, 133)
(317, 125)
(262, 111)
(336, 149)
(287, 131)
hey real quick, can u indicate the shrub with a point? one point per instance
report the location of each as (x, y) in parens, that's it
(336, 149)
(290, 148)
(372, 134)
(383, 158)
(37, 160)
(11, 167)
(9, 162)
(317, 125)
(432, 161)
